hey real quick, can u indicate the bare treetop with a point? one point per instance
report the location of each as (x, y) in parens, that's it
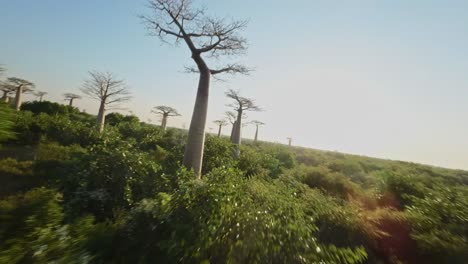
(7, 87)
(18, 82)
(39, 93)
(106, 88)
(177, 20)
(220, 122)
(242, 103)
(69, 96)
(257, 123)
(165, 111)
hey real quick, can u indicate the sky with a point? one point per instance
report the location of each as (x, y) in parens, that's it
(385, 79)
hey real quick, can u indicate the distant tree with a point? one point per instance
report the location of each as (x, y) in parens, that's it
(257, 124)
(7, 89)
(40, 95)
(204, 36)
(165, 112)
(108, 90)
(220, 123)
(20, 86)
(289, 141)
(70, 97)
(240, 105)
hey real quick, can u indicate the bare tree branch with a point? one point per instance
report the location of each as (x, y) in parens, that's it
(165, 110)
(69, 96)
(106, 88)
(178, 20)
(241, 103)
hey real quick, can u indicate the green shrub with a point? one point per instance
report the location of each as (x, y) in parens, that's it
(439, 223)
(31, 231)
(227, 218)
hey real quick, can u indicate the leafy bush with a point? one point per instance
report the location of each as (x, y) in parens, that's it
(49, 108)
(6, 122)
(227, 218)
(439, 223)
(112, 176)
(31, 231)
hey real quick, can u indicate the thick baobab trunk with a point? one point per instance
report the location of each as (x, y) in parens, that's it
(219, 130)
(256, 135)
(233, 130)
(193, 156)
(71, 102)
(19, 93)
(101, 117)
(236, 138)
(164, 122)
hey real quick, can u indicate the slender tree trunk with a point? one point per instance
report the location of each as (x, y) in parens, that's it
(193, 156)
(219, 130)
(40, 99)
(101, 117)
(19, 93)
(236, 139)
(71, 102)
(256, 135)
(164, 122)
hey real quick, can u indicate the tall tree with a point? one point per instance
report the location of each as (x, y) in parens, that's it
(220, 123)
(108, 90)
(289, 141)
(240, 105)
(70, 97)
(205, 37)
(20, 86)
(165, 112)
(257, 124)
(40, 95)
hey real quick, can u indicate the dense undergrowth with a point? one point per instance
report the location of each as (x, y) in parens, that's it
(71, 195)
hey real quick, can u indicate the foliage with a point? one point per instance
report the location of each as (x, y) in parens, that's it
(440, 223)
(31, 231)
(49, 108)
(111, 176)
(123, 197)
(6, 122)
(227, 218)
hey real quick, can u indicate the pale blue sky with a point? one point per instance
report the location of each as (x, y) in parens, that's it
(379, 78)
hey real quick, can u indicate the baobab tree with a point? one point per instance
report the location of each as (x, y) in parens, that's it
(108, 90)
(257, 124)
(231, 118)
(70, 97)
(165, 112)
(20, 86)
(205, 37)
(40, 95)
(7, 89)
(220, 123)
(289, 141)
(240, 105)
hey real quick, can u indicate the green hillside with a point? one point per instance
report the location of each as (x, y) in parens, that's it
(70, 194)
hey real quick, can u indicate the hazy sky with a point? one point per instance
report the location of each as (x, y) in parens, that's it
(382, 78)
